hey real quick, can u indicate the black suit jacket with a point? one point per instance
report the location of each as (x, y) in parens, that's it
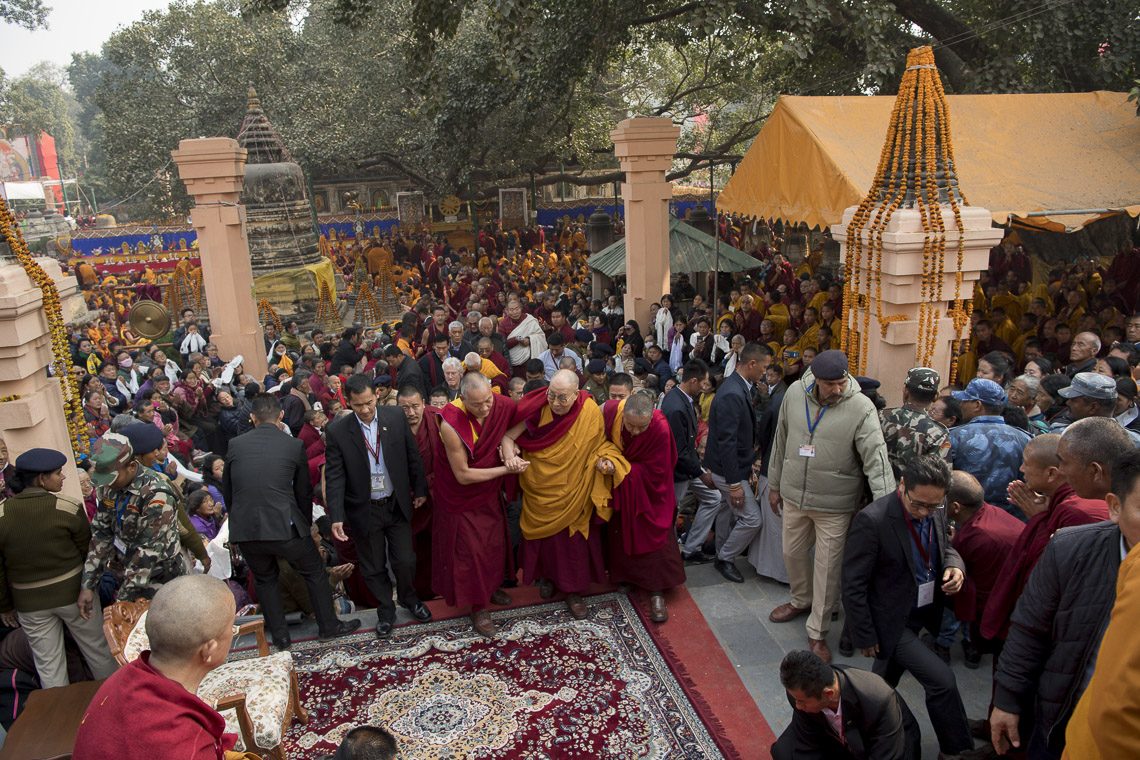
(348, 482)
(731, 447)
(682, 417)
(410, 372)
(879, 586)
(266, 486)
(877, 724)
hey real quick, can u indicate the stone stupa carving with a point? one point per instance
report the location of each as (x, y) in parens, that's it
(279, 222)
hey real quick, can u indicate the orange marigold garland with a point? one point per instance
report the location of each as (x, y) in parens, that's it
(916, 170)
(53, 310)
(266, 314)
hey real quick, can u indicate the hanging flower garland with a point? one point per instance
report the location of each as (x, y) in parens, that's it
(916, 170)
(53, 310)
(266, 314)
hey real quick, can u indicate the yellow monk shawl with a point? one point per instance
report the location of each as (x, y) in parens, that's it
(562, 488)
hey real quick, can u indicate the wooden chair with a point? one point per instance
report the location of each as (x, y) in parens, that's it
(258, 697)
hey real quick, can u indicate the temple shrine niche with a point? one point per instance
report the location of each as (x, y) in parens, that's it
(284, 246)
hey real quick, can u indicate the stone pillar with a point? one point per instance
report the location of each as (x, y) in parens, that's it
(212, 169)
(34, 415)
(891, 357)
(645, 148)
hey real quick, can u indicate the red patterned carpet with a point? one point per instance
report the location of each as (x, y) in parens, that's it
(610, 686)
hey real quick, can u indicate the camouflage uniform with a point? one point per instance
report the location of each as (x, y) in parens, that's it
(911, 433)
(139, 526)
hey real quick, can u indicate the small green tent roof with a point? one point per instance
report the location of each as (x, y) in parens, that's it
(690, 250)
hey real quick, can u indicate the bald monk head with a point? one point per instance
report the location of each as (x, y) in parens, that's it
(638, 413)
(563, 391)
(475, 390)
(190, 627)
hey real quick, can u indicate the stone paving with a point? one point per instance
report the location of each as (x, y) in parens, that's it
(738, 614)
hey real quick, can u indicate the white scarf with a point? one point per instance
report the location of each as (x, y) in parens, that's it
(528, 328)
(191, 343)
(662, 322)
(677, 352)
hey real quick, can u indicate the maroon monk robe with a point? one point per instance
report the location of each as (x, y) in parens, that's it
(1065, 509)
(470, 545)
(984, 542)
(140, 713)
(643, 548)
(570, 562)
(426, 438)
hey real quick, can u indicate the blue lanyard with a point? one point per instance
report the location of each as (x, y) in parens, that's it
(811, 426)
(121, 508)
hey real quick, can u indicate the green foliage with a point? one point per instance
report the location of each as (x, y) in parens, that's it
(30, 14)
(38, 102)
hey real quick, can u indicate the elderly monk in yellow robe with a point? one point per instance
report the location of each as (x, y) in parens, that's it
(566, 496)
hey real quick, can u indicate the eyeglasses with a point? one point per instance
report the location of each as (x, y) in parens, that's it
(924, 504)
(561, 398)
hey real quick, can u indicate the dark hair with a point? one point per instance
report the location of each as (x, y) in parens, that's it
(921, 396)
(1125, 472)
(367, 743)
(1118, 366)
(556, 338)
(533, 385)
(356, 385)
(1054, 383)
(208, 471)
(194, 500)
(754, 352)
(1002, 366)
(439, 390)
(1015, 416)
(534, 366)
(349, 333)
(266, 407)
(392, 350)
(440, 338)
(804, 671)
(407, 390)
(694, 369)
(620, 378)
(927, 470)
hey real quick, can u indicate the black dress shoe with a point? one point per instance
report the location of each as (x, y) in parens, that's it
(383, 629)
(728, 570)
(344, 627)
(697, 558)
(420, 612)
(846, 648)
(282, 645)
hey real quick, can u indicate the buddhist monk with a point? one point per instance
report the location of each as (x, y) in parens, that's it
(469, 528)
(643, 549)
(424, 422)
(565, 494)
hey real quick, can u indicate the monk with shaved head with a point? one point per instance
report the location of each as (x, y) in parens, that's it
(566, 494)
(190, 628)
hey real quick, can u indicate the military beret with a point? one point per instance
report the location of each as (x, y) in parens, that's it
(596, 366)
(384, 380)
(144, 438)
(867, 384)
(583, 336)
(829, 365)
(108, 454)
(40, 460)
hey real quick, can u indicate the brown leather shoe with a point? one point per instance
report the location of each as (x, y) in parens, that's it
(545, 589)
(576, 606)
(786, 612)
(501, 598)
(483, 625)
(658, 612)
(819, 648)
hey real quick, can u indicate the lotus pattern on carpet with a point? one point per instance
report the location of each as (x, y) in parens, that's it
(548, 686)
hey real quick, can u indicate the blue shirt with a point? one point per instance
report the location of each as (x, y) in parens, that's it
(991, 451)
(375, 455)
(925, 530)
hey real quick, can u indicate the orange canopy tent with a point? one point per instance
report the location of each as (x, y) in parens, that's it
(1053, 161)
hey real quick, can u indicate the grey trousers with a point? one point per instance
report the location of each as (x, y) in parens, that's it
(708, 507)
(747, 525)
(44, 629)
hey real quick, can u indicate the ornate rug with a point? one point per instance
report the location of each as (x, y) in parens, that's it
(548, 686)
